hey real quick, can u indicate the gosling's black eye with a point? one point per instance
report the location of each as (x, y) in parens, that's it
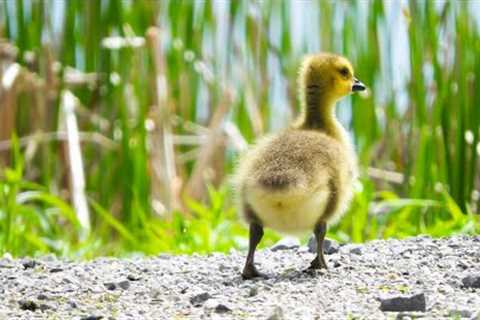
(344, 72)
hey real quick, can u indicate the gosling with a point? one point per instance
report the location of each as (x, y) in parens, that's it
(302, 178)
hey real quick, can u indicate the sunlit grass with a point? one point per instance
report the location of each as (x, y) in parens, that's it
(219, 74)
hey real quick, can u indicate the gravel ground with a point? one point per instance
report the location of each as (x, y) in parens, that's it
(427, 278)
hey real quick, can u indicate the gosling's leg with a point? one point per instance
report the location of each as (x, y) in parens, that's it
(319, 261)
(256, 234)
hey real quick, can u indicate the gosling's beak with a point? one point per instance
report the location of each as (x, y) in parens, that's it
(357, 85)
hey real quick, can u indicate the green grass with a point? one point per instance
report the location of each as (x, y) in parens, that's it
(424, 130)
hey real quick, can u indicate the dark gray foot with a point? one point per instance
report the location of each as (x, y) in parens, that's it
(319, 261)
(256, 234)
(250, 272)
(317, 264)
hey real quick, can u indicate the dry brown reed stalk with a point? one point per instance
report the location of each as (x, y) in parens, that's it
(9, 72)
(209, 167)
(8, 102)
(17, 80)
(46, 137)
(164, 181)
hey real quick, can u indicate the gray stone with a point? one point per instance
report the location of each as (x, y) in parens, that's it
(404, 303)
(356, 250)
(29, 264)
(110, 286)
(286, 243)
(200, 298)
(124, 284)
(471, 281)
(346, 290)
(329, 246)
(221, 308)
(42, 296)
(28, 305)
(132, 277)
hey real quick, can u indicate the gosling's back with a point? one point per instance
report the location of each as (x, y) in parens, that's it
(293, 179)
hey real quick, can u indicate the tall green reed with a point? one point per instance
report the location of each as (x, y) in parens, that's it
(423, 126)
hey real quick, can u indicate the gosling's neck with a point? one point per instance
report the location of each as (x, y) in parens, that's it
(318, 112)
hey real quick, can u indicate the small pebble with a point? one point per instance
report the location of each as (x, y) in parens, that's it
(29, 264)
(28, 305)
(221, 308)
(471, 281)
(92, 318)
(124, 284)
(132, 277)
(329, 246)
(404, 303)
(356, 250)
(200, 298)
(110, 285)
(42, 296)
(286, 243)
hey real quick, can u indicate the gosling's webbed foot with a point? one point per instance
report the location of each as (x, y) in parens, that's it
(250, 272)
(316, 264)
(256, 234)
(319, 261)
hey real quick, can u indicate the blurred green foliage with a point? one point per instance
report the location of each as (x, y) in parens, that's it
(420, 124)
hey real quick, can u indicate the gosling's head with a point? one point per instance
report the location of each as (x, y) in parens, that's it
(328, 74)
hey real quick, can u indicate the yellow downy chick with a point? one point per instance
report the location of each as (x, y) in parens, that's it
(297, 180)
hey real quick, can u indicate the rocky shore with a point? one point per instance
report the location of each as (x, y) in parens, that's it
(416, 278)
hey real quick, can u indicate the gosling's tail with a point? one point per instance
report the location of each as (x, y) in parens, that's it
(277, 182)
(282, 184)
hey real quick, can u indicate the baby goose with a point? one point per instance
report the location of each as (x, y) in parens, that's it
(302, 178)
